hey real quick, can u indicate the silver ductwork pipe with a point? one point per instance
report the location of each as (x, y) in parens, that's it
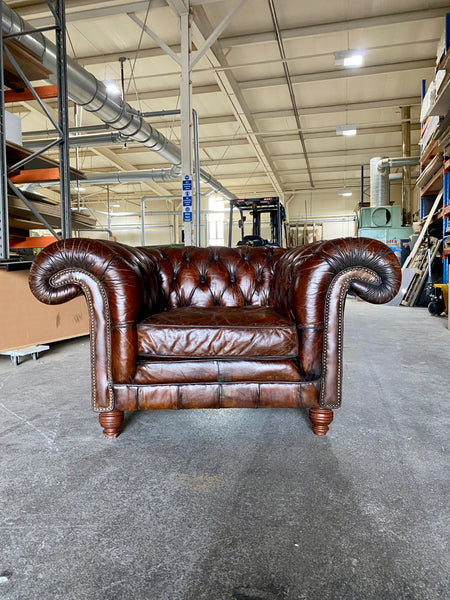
(403, 161)
(117, 177)
(379, 184)
(132, 176)
(87, 91)
(380, 177)
(81, 141)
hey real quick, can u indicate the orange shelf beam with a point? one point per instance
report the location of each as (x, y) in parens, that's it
(32, 175)
(34, 242)
(43, 91)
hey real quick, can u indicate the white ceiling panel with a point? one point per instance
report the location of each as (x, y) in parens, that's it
(249, 136)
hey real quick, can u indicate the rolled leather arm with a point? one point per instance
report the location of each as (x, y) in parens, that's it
(310, 287)
(120, 287)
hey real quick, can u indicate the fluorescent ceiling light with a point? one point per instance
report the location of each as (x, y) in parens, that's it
(79, 189)
(346, 130)
(114, 205)
(353, 61)
(112, 88)
(349, 58)
(345, 193)
(81, 208)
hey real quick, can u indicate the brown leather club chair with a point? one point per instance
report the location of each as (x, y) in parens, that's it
(215, 327)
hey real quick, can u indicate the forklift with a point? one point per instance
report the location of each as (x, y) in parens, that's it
(257, 207)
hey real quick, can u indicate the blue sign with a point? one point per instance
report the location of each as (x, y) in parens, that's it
(187, 217)
(187, 183)
(187, 201)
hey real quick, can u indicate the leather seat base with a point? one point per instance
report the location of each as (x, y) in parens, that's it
(213, 371)
(217, 332)
(217, 395)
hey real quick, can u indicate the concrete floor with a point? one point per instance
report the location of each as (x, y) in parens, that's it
(237, 504)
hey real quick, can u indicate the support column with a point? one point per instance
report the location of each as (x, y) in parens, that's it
(406, 151)
(186, 124)
(63, 118)
(4, 225)
(142, 221)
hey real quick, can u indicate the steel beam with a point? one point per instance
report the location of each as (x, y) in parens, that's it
(213, 36)
(181, 7)
(229, 85)
(155, 37)
(63, 117)
(157, 51)
(4, 222)
(340, 74)
(186, 116)
(323, 28)
(290, 86)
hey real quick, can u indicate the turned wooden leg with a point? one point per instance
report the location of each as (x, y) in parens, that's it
(111, 421)
(320, 419)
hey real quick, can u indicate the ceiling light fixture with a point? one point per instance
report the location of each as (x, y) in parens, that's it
(112, 88)
(346, 130)
(349, 58)
(79, 189)
(346, 193)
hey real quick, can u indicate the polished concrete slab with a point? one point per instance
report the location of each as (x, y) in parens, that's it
(237, 504)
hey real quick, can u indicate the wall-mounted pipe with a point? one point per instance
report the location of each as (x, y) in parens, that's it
(104, 229)
(117, 177)
(379, 177)
(81, 141)
(131, 176)
(384, 164)
(87, 91)
(40, 133)
(379, 183)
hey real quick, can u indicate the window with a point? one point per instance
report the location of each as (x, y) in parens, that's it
(216, 221)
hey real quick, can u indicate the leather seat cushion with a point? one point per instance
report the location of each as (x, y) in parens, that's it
(162, 371)
(220, 332)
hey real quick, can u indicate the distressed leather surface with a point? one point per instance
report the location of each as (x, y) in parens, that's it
(218, 395)
(311, 283)
(217, 332)
(208, 371)
(214, 276)
(305, 287)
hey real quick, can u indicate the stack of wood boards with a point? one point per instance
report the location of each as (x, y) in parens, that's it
(420, 263)
(21, 218)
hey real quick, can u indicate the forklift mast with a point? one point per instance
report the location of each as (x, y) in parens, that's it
(257, 207)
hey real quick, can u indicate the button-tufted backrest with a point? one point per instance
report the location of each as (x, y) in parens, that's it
(214, 276)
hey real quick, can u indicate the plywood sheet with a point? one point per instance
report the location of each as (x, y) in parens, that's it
(24, 321)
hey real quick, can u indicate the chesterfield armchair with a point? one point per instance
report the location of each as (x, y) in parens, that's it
(215, 327)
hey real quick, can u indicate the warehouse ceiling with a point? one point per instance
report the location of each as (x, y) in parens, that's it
(268, 93)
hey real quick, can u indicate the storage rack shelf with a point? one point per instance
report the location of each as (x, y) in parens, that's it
(437, 143)
(19, 67)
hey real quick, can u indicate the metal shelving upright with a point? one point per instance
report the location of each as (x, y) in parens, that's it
(439, 108)
(62, 128)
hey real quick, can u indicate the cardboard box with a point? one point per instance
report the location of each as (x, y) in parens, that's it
(13, 128)
(24, 321)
